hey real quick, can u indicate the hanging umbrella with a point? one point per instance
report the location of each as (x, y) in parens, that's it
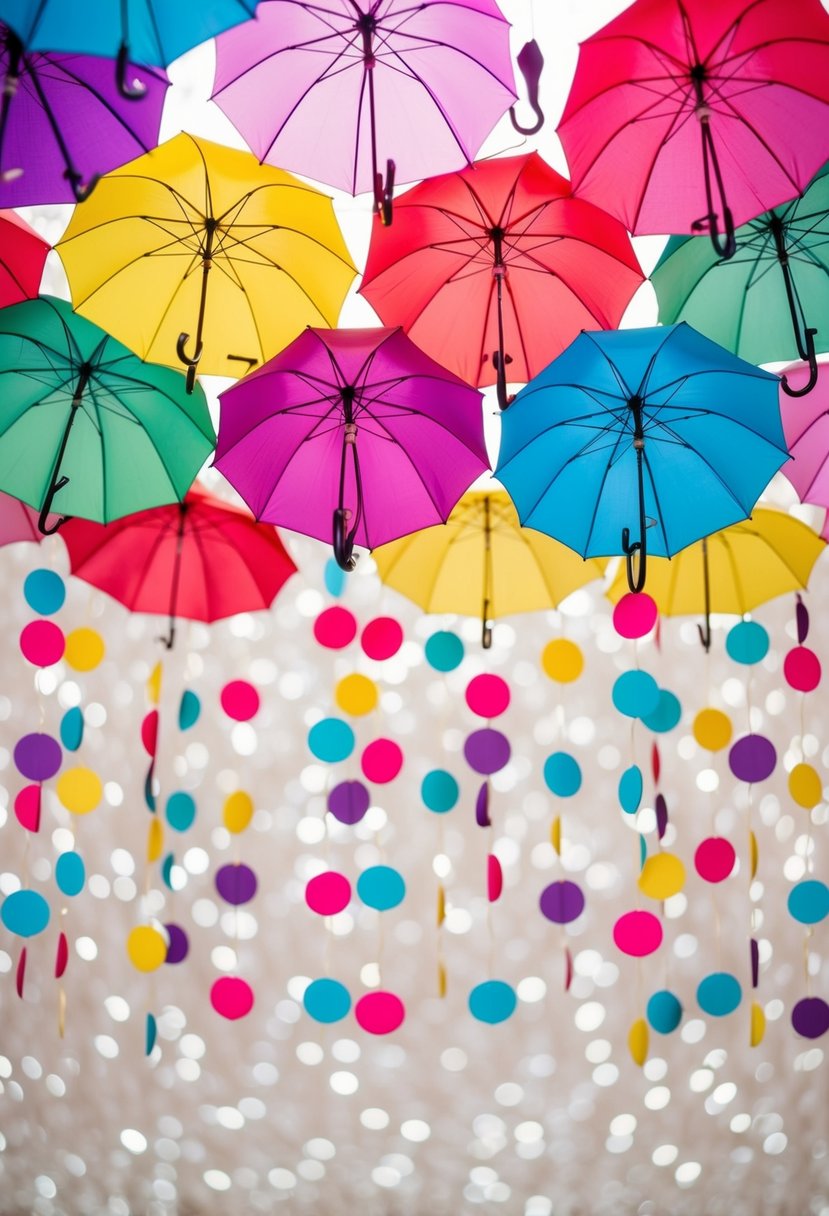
(734, 570)
(22, 257)
(327, 89)
(759, 303)
(63, 122)
(139, 257)
(641, 428)
(499, 265)
(483, 563)
(201, 559)
(688, 116)
(806, 427)
(83, 419)
(356, 426)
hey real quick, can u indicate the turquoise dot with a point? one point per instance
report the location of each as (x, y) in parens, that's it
(150, 1033)
(747, 642)
(492, 1002)
(664, 1011)
(331, 740)
(809, 902)
(334, 578)
(44, 591)
(70, 873)
(719, 994)
(71, 728)
(643, 851)
(439, 791)
(180, 810)
(562, 774)
(630, 789)
(636, 694)
(444, 651)
(666, 715)
(381, 887)
(326, 1000)
(189, 710)
(167, 870)
(25, 913)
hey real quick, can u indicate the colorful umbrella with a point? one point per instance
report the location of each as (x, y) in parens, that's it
(687, 116)
(806, 427)
(201, 559)
(351, 425)
(325, 88)
(652, 427)
(63, 122)
(483, 563)
(499, 265)
(734, 570)
(22, 257)
(759, 303)
(82, 417)
(139, 257)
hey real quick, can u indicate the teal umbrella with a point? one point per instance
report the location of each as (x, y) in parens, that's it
(87, 428)
(766, 302)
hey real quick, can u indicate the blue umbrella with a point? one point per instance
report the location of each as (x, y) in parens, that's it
(634, 431)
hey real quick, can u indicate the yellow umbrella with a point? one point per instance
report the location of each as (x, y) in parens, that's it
(195, 238)
(734, 570)
(481, 562)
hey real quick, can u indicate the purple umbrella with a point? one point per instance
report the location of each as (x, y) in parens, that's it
(63, 122)
(321, 88)
(357, 426)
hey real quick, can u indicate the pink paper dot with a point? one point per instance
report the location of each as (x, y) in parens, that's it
(231, 997)
(42, 643)
(487, 696)
(638, 933)
(328, 893)
(335, 628)
(240, 700)
(382, 637)
(494, 878)
(714, 859)
(801, 667)
(27, 807)
(149, 732)
(379, 1012)
(381, 761)
(634, 615)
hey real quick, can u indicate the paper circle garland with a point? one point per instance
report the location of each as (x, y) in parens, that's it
(747, 643)
(237, 812)
(356, 695)
(381, 761)
(664, 1011)
(487, 695)
(240, 700)
(328, 893)
(334, 578)
(326, 1001)
(70, 873)
(149, 732)
(42, 643)
(25, 913)
(810, 1017)
(636, 694)
(805, 786)
(180, 810)
(331, 740)
(801, 669)
(634, 615)
(662, 876)
(27, 807)
(714, 859)
(562, 774)
(71, 728)
(630, 789)
(44, 591)
(808, 902)
(178, 944)
(84, 649)
(752, 758)
(231, 997)
(562, 660)
(146, 948)
(719, 994)
(382, 638)
(666, 715)
(562, 902)
(349, 801)
(335, 628)
(379, 1012)
(444, 651)
(486, 751)
(638, 933)
(381, 887)
(79, 789)
(37, 757)
(439, 791)
(492, 1002)
(189, 710)
(236, 883)
(712, 729)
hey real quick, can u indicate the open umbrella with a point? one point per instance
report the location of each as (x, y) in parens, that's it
(641, 428)
(200, 239)
(351, 426)
(806, 427)
(499, 265)
(483, 563)
(328, 88)
(685, 115)
(201, 559)
(759, 303)
(82, 419)
(63, 122)
(22, 257)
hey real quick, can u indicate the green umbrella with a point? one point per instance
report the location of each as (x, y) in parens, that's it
(763, 302)
(85, 422)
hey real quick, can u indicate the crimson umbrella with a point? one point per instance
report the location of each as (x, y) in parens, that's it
(201, 559)
(499, 265)
(688, 115)
(22, 256)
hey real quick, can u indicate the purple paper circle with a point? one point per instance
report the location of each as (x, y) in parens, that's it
(562, 902)
(349, 801)
(752, 758)
(236, 884)
(37, 757)
(810, 1017)
(179, 944)
(486, 751)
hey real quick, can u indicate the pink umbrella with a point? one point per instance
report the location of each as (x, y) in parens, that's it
(18, 521)
(351, 426)
(806, 427)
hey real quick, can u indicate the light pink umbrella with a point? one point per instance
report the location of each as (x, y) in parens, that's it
(806, 427)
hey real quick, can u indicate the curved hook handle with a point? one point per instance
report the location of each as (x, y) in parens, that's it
(486, 635)
(635, 577)
(190, 362)
(167, 639)
(343, 543)
(530, 65)
(705, 635)
(726, 246)
(384, 194)
(813, 369)
(132, 92)
(46, 510)
(501, 383)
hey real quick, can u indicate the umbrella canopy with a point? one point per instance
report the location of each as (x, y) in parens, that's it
(22, 258)
(201, 559)
(328, 88)
(687, 116)
(760, 302)
(806, 427)
(357, 426)
(63, 122)
(82, 419)
(483, 563)
(17, 521)
(641, 429)
(139, 257)
(499, 265)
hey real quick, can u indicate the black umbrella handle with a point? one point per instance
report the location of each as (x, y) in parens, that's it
(80, 190)
(384, 194)
(530, 65)
(343, 540)
(131, 92)
(14, 49)
(704, 631)
(637, 570)
(725, 246)
(44, 527)
(810, 358)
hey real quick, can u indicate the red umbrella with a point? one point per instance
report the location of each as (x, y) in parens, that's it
(201, 559)
(499, 264)
(22, 255)
(689, 115)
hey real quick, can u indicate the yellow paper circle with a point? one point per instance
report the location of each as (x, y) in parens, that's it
(662, 876)
(155, 841)
(356, 695)
(237, 811)
(562, 661)
(804, 786)
(80, 790)
(758, 1024)
(712, 729)
(638, 1041)
(84, 649)
(154, 685)
(146, 948)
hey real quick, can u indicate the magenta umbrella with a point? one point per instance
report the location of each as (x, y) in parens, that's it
(326, 87)
(806, 427)
(353, 434)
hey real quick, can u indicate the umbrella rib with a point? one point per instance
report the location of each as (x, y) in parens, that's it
(105, 538)
(659, 516)
(595, 514)
(62, 71)
(409, 458)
